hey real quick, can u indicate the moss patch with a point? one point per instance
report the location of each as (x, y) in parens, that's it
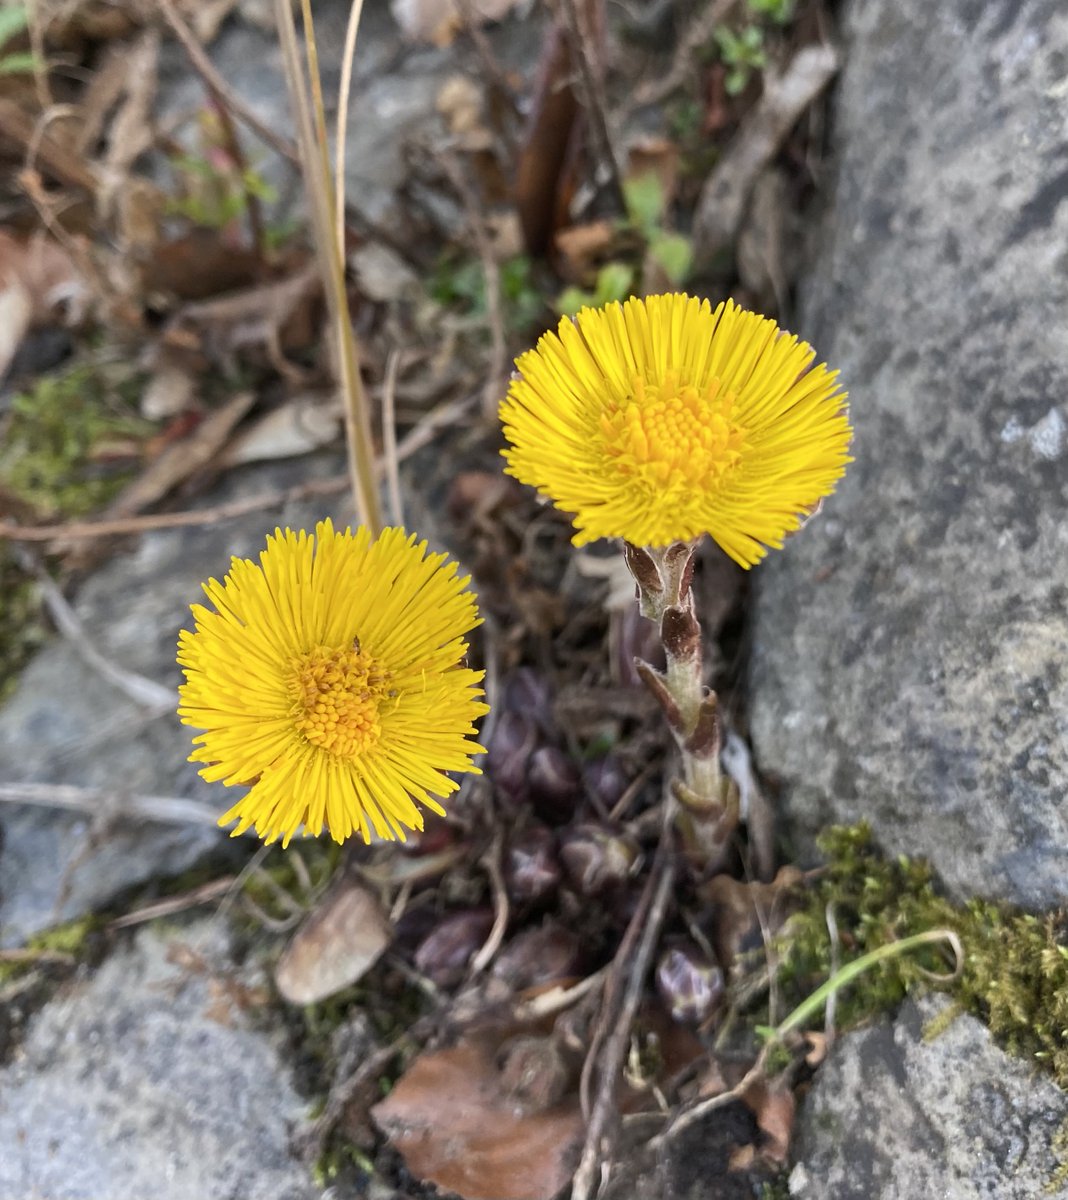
(70, 443)
(79, 938)
(1015, 973)
(22, 629)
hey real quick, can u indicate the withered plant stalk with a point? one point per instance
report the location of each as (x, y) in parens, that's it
(328, 229)
(708, 802)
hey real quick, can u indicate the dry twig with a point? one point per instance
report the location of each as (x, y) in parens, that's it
(615, 1024)
(699, 32)
(415, 440)
(724, 194)
(205, 68)
(139, 688)
(583, 39)
(169, 810)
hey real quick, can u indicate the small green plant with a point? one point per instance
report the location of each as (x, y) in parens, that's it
(459, 282)
(779, 11)
(742, 54)
(215, 193)
(646, 206)
(614, 282)
(13, 21)
(21, 626)
(1015, 972)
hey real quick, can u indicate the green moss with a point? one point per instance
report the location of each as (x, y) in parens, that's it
(22, 629)
(280, 877)
(1059, 1179)
(1015, 971)
(777, 1188)
(79, 938)
(62, 440)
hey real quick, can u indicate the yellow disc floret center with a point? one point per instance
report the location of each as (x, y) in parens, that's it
(671, 432)
(337, 697)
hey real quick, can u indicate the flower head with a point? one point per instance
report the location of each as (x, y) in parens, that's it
(330, 681)
(662, 419)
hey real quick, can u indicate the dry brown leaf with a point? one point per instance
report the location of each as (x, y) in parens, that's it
(207, 16)
(459, 101)
(336, 946)
(817, 1047)
(262, 320)
(774, 1106)
(181, 459)
(582, 247)
(170, 391)
(301, 425)
(452, 1119)
(744, 914)
(545, 170)
(438, 21)
(37, 278)
(22, 137)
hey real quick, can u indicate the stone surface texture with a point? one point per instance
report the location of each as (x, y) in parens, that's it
(65, 724)
(394, 122)
(146, 1080)
(911, 646)
(892, 1116)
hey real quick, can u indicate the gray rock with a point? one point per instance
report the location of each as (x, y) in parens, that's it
(393, 102)
(911, 647)
(894, 1117)
(147, 1080)
(64, 724)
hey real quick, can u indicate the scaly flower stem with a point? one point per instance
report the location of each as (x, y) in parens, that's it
(709, 804)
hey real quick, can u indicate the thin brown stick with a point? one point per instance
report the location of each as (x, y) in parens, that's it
(389, 458)
(594, 103)
(78, 530)
(491, 860)
(413, 441)
(594, 1151)
(253, 207)
(347, 59)
(204, 67)
(139, 688)
(25, 955)
(170, 810)
(316, 171)
(492, 276)
(175, 904)
(685, 59)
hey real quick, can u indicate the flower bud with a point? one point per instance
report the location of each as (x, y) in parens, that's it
(690, 985)
(596, 860)
(413, 927)
(514, 739)
(539, 956)
(531, 868)
(553, 783)
(527, 692)
(606, 779)
(534, 1074)
(444, 955)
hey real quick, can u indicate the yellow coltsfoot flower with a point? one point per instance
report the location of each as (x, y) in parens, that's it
(661, 419)
(330, 680)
